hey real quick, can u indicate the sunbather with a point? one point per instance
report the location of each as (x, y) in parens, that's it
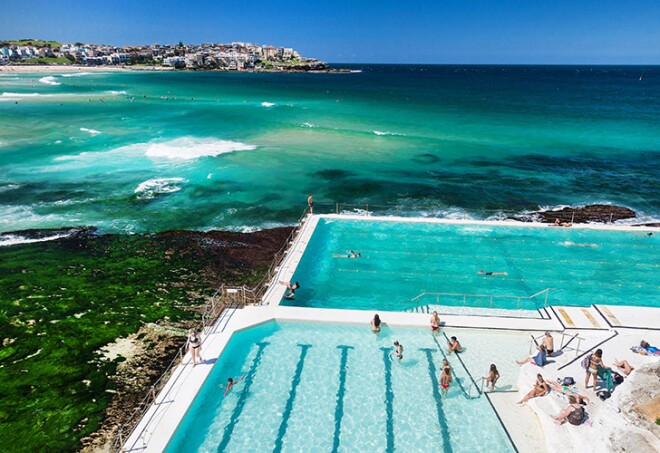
(540, 389)
(624, 366)
(574, 413)
(568, 391)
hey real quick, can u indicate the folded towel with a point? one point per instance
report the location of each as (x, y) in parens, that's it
(606, 375)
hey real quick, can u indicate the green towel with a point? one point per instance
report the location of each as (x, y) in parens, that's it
(606, 375)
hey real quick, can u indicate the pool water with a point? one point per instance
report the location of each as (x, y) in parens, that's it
(401, 260)
(332, 387)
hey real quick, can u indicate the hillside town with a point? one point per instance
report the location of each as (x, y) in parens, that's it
(237, 56)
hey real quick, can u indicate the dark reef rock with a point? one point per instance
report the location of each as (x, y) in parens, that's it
(595, 213)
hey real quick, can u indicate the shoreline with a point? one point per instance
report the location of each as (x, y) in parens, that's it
(36, 69)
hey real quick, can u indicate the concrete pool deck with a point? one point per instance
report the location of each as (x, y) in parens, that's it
(614, 328)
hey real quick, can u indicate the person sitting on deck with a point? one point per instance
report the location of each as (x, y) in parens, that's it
(574, 413)
(539, 359)
(549, 343)
(540, 389)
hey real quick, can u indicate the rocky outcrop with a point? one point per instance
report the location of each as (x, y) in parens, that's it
(595, 213)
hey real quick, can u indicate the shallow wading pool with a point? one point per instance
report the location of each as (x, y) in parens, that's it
(336, 387)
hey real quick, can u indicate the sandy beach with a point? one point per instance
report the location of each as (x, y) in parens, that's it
(25, 69)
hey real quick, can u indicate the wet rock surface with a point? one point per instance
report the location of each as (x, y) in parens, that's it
(596, 213)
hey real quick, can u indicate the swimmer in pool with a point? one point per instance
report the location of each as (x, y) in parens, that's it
(291, 288)
(492, 273)
(399, 350)
(351, 254)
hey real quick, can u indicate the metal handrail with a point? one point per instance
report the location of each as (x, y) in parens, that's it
(491, 297)
(367, 209)
(210, 313)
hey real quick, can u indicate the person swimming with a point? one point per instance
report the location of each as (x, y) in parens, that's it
(291, 288)
(492, 273)
(351, 254)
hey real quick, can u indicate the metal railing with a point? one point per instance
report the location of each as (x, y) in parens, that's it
(454, 212)
(224, 296)
(478, 300)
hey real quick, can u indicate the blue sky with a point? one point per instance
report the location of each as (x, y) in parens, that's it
(364, 31)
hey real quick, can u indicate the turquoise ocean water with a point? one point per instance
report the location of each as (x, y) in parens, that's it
(144, 152)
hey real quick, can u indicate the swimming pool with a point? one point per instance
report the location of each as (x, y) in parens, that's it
(335, 387)
(401, 260)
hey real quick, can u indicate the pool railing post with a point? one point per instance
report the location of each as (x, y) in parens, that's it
(573, 217)
(336, 208)
(366, 211)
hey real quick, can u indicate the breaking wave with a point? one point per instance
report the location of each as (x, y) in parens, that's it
(148, 190)
(194, 148)
(49, 80)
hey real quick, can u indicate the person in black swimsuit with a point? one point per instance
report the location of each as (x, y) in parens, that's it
(194, 346)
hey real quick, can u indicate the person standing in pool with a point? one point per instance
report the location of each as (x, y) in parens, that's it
(445, 380)
(399, 350)
(435, 321)
(375, 323)
(310, 203)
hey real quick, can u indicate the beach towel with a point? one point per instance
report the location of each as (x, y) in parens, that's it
(606, 375)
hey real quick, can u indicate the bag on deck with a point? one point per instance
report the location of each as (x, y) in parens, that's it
(568, 381)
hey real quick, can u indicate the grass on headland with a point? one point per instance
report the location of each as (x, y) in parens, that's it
(30, 42)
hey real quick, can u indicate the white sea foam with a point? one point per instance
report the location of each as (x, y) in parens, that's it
(267, 104)
(194, 148)
(76, 74)
(49, 80)
(116, 93)
(307, 125)
(9, 187)
(387, 133)
(91, 131)
(149, 189)
(13, 239)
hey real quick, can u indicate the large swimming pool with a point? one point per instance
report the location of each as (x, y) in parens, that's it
(335, 387)
(401, 260)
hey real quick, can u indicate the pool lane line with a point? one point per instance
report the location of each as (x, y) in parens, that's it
(242, 399)
(458, 356)
(292, 396)
(444, 429)
(458, 381)
(339, 408)
(389, 399)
